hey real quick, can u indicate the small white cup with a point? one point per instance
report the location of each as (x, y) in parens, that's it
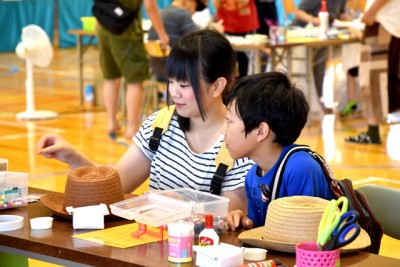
(41, 223)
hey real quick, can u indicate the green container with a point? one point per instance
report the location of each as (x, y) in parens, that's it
(88, 23)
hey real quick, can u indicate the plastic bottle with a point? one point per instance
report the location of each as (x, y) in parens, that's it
(323, 16)
(208, 236)
(89, 95)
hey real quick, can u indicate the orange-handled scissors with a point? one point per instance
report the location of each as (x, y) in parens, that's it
(330, 219)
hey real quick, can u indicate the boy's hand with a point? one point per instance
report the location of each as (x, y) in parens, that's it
(236, 219)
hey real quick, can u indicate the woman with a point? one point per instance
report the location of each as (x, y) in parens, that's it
(200, 68)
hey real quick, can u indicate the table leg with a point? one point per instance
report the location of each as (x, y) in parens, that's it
(80, 64)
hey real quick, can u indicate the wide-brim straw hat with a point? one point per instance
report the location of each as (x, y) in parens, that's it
(294, 220)
(87, 186)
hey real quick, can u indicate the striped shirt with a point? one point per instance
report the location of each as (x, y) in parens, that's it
(174, 165)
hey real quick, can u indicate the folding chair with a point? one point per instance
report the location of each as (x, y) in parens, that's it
(385, 203)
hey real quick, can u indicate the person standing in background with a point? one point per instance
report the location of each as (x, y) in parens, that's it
(177, 20)
(124, 55)
(386, 12)
(239, 18)
(267, 15)
(382, 16)
(307, 12)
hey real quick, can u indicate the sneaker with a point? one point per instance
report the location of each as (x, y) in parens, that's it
(350, 107)
(393, 117)
(362, 138)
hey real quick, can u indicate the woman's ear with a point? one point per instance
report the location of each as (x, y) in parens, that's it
(263, 131)
(219, 86)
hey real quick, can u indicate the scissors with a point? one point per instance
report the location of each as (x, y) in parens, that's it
(339, 236)
(330, 219)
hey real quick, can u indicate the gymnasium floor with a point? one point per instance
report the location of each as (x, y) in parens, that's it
(56, 89)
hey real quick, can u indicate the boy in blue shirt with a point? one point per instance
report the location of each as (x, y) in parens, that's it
(266, 114)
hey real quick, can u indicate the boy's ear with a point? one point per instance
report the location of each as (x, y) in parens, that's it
(263, 131)
(219, 86)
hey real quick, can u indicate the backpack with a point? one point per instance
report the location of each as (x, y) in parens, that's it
(113, 15)
(357, 199)
(223, 161)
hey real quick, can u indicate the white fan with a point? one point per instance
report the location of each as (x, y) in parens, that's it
(36, 49)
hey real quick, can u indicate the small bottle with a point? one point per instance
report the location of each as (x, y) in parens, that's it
(89, 96)
(208, 236)
(323, 16)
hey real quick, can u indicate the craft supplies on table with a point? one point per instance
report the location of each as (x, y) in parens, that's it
(180, 242)
(11, 222)
(208, 237)
(338, 227)
(218, 256)
(162, 207)
(13, 189)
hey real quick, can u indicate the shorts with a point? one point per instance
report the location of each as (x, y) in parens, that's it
(123, 55)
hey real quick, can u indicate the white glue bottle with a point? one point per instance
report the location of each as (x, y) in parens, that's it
(323, 16)
(208, 236)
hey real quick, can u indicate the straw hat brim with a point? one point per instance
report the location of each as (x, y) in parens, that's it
(55, 203)
(256, 237)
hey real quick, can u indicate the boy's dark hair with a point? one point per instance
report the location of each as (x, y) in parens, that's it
(204, 55)
(270, 97)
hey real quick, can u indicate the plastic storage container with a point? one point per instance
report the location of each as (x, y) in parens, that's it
(163, 207)
(88, 23)
(13, 189)
(151, 209)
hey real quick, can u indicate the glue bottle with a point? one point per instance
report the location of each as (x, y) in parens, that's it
(323, 16)
(208, 236)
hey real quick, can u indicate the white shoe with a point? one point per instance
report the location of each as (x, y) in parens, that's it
(393, 117)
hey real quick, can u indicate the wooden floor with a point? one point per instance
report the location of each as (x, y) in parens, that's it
(56, 89)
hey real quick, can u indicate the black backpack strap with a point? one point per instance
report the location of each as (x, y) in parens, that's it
(160, 125)
(218, 178)
(277, 180)
(155, 138)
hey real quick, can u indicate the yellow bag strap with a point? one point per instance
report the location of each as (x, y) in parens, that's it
(224, 157)
(163, 118)
(223, 161)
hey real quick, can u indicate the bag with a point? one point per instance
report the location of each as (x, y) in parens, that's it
(223, 161)
(357, 199)
(112, 15)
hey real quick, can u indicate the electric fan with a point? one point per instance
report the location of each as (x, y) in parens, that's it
(36, 49)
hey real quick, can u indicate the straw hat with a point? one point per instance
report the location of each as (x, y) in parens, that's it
(294, 220)
(87, 186)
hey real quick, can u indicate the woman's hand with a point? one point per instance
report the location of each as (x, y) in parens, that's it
(53, 146)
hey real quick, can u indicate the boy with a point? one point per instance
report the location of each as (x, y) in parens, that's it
(266, 114)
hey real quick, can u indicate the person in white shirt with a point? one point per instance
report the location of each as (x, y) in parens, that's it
(200, 68)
